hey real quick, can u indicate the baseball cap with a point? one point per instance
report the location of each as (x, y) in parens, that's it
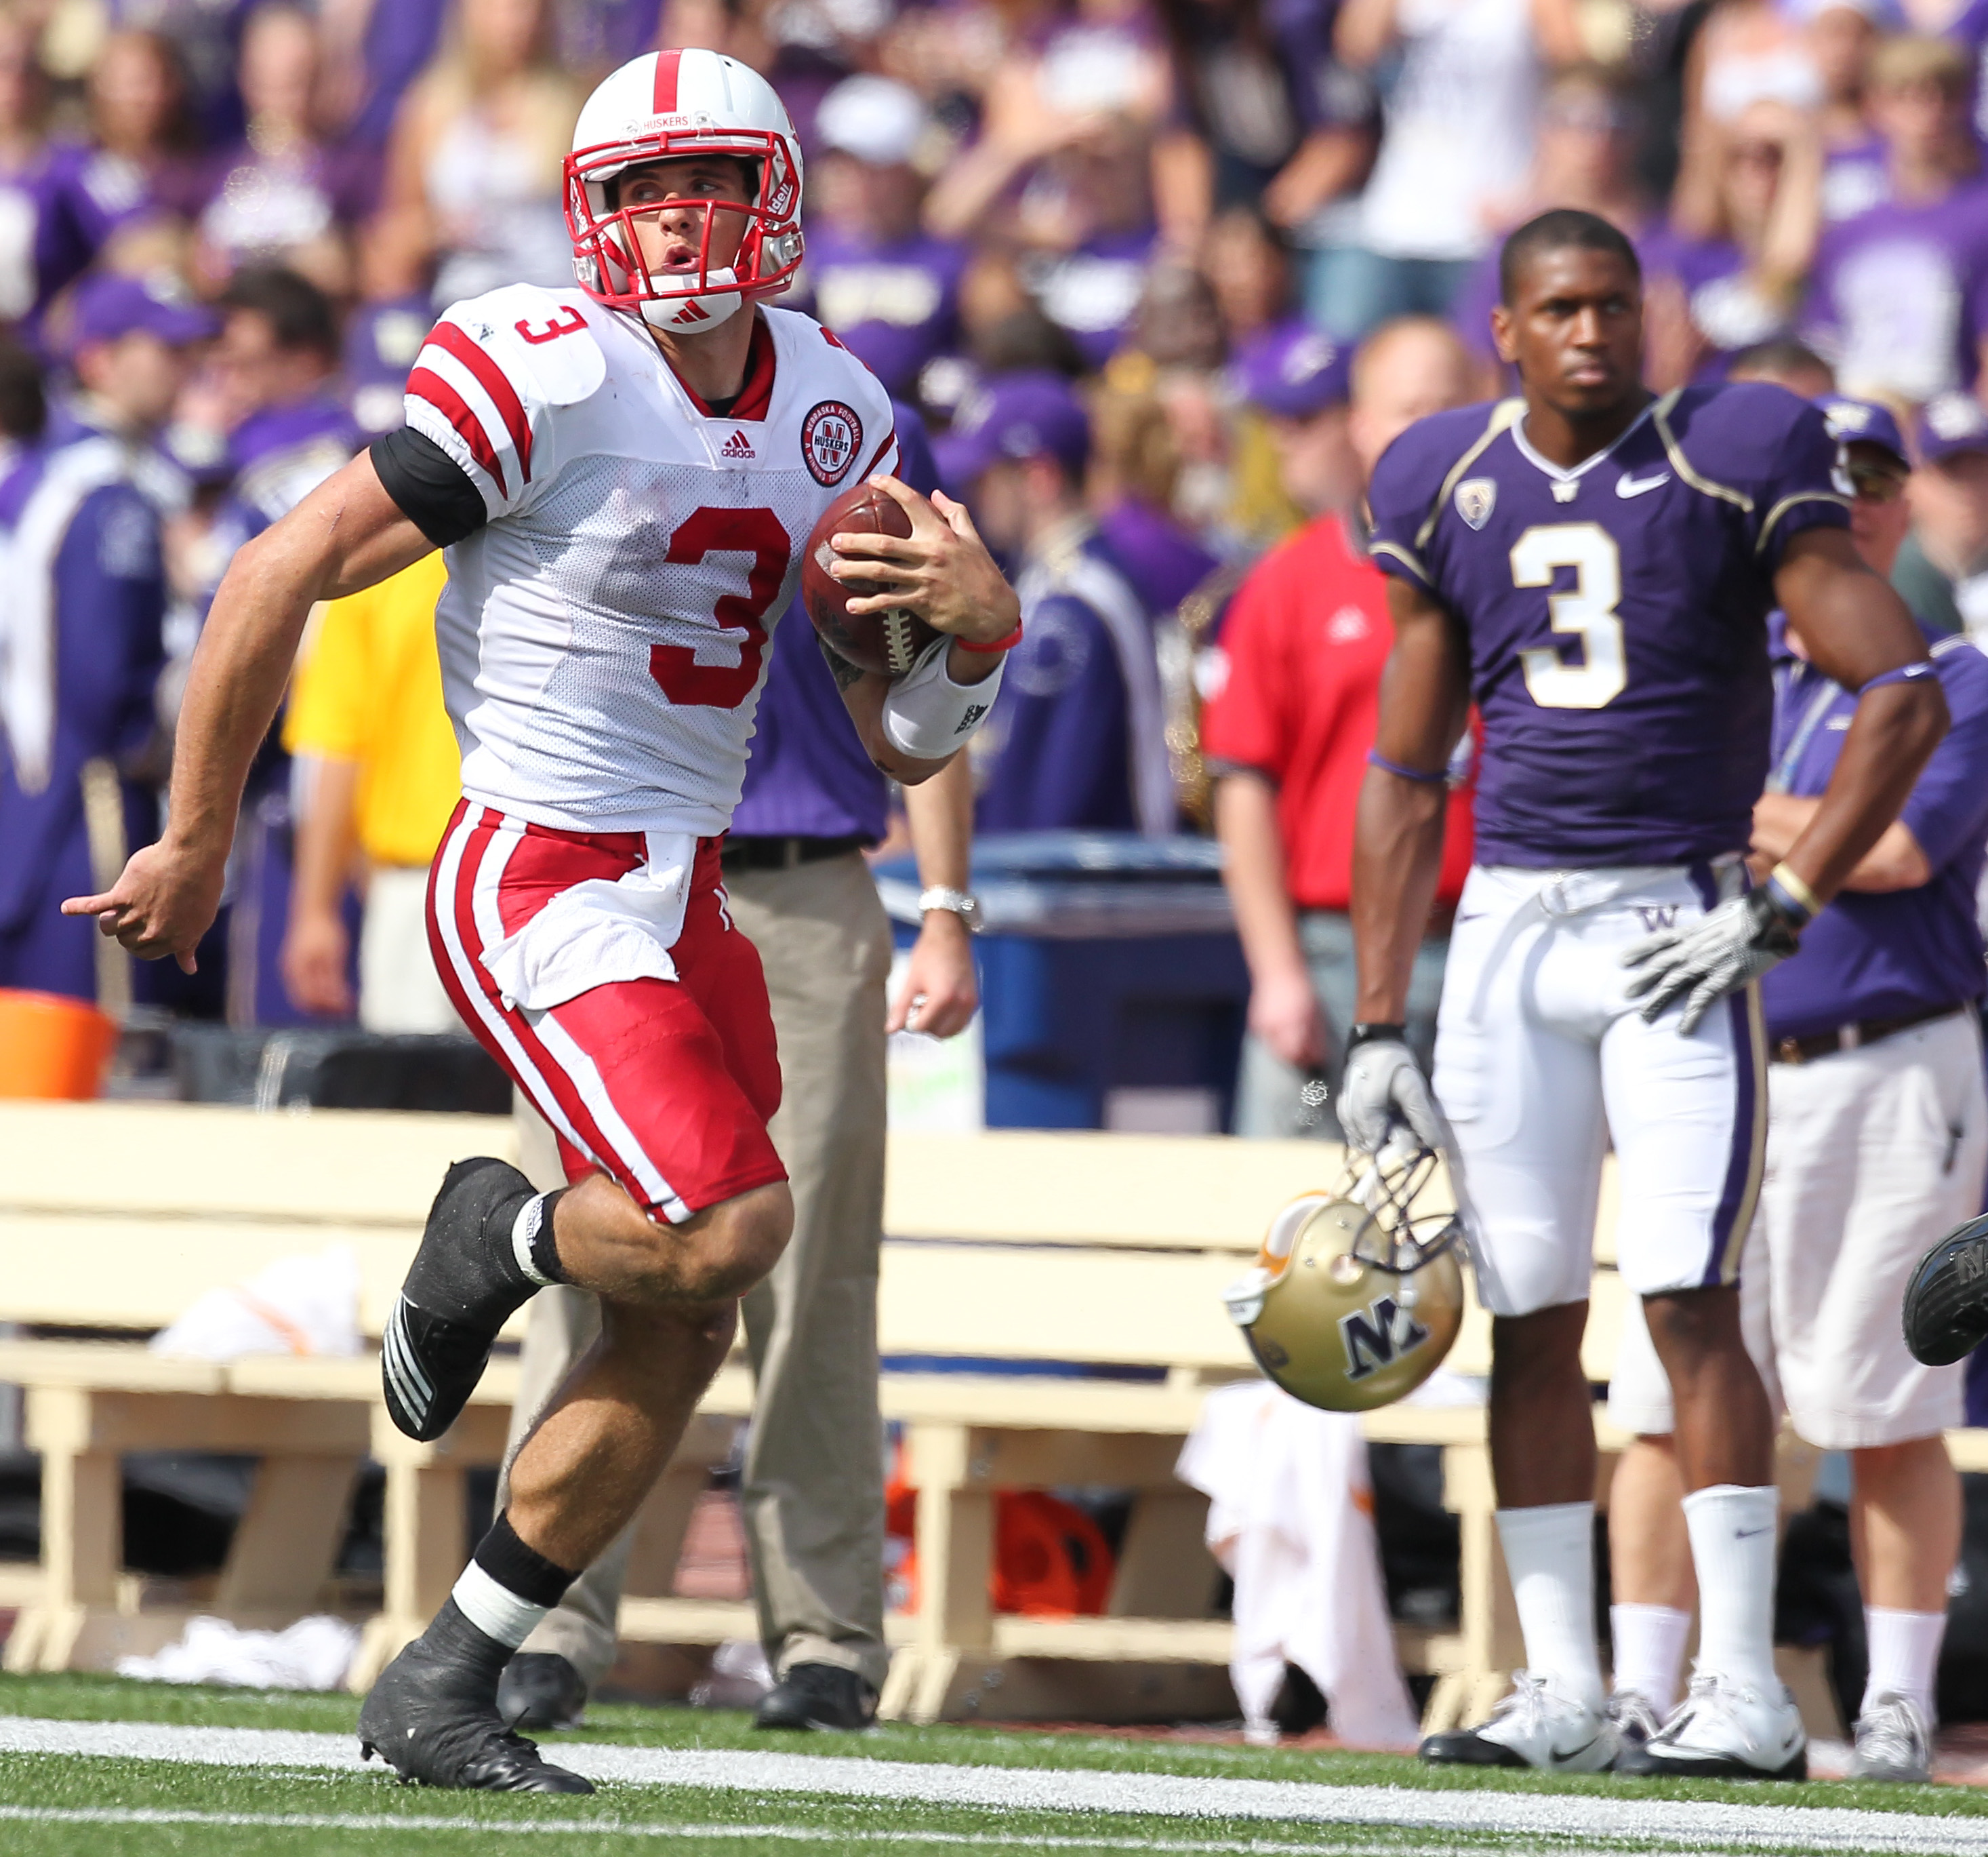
(109, 306)
(1950, 423)
(1032, 414)
(1295, 371)
(1864, 422)
(874, 119)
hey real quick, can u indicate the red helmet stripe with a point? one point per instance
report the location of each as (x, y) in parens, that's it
(666, 82)
(492, 379)
(424, 384)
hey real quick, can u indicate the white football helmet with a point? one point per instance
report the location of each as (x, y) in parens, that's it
(665, 106)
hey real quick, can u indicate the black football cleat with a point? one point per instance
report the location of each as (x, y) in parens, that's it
(464, 1283)
(541, 1689)
(1946, 1314)
(813, 1696)
(432, 1717)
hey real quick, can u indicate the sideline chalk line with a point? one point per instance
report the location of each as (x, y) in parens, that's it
(1683, 1824)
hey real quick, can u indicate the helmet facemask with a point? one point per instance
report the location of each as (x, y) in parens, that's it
(607, 252)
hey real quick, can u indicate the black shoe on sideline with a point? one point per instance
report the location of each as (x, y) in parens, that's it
(463, 1286)
(539, 1690)
(818, 1695)
(1946, 1301)
(432, 1717)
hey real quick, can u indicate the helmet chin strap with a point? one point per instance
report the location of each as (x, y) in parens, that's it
(717, 307)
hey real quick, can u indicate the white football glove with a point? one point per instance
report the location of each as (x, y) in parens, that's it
(1734, 946)
(1384, 1085)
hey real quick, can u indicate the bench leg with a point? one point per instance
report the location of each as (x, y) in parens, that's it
(82, 1529)
(422, 1521)
(955, 1549)
(1488, 1620)
(1165, 1568)
(286, 1545)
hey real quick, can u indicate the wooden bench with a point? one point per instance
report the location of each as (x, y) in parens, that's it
(1105, 1251)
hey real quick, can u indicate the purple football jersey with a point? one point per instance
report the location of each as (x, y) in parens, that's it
(1616, 612)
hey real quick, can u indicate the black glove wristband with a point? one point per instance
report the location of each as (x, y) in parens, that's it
(1372, 1034)
(1773, 928)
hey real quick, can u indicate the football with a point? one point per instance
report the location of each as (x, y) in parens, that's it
(888, 642)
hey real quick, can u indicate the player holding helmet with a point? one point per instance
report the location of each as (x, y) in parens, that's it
(625, 475)
(1594, 569)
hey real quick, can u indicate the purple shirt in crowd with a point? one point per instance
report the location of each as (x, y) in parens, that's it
(1883, 955)
(809, 775)
(1616, 612)
(1898, 300)
(1726, 309)
(1163, 562)
(894, 306)
(1091, 293)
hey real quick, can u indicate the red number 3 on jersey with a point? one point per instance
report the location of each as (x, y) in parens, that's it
(685, 681)
(568, 322)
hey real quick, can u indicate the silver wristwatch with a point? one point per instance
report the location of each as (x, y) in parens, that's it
(961, 903)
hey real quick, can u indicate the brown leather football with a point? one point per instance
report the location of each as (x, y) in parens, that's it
(888, 643)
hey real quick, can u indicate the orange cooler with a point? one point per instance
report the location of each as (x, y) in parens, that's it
(53, 1046)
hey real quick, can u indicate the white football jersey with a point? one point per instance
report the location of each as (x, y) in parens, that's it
(604, 637)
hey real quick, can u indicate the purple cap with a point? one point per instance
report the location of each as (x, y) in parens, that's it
(108, 307)
(1950, 423)
(1295, 371)
(1864, 422)
(1017, 415)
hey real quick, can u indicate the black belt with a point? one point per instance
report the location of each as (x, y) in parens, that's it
(1854, 1036)
(784, 854)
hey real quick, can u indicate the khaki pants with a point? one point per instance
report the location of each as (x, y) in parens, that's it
(812, 1494)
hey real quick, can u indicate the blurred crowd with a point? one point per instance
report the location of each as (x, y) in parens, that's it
(1165, 224)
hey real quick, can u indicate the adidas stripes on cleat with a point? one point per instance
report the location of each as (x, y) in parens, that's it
(477, 1264)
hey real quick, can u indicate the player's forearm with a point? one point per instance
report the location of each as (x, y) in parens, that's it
(1396, 862)
(327, 837)
(1891, 736)
(1253, 868)
(236, 681)
(940, 814)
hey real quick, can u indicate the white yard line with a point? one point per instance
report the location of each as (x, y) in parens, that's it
(636, 1828)
(1628, 1818)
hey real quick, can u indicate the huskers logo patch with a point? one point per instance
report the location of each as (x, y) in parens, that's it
(831, 435)
(1475, 497)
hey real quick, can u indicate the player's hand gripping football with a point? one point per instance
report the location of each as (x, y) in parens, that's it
(941, 571)
(1734, 946)
(162, 904)
(1383, 1087)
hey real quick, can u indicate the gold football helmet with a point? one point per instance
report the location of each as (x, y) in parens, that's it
(1358, 1294)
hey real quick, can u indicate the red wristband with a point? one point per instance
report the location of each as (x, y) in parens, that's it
(1007, 643)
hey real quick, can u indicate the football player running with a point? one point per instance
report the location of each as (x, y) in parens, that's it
(1593, 568)
(624, 475)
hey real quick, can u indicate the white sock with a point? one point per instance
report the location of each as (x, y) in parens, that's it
(1649, 1651)
(1550, 1553)
(1734, 1542)
(1905, 1656)
(493, 1609)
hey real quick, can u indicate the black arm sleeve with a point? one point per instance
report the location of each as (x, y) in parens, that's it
(431, 489)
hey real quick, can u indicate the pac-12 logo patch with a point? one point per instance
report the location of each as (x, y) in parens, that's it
(831, 435)
(1475, 497)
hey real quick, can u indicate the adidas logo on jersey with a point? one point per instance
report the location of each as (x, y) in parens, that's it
(738, 445)
(692, 312)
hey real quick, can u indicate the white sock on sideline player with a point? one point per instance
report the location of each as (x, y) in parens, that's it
(1549, 1552)
(1734, 1540)
(1905, 1656)
(1649, 1644)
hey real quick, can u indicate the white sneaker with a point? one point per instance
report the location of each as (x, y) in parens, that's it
(1635, 1719)
(1725, 1730)
(1894, 1742)
(1531, 1727)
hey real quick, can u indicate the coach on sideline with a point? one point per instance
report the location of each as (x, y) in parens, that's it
(1876, 1137)
(1287, 732)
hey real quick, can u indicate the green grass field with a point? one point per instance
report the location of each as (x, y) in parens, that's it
(712, 1784)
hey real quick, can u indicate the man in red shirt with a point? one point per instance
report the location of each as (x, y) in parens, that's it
(1288, 734)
